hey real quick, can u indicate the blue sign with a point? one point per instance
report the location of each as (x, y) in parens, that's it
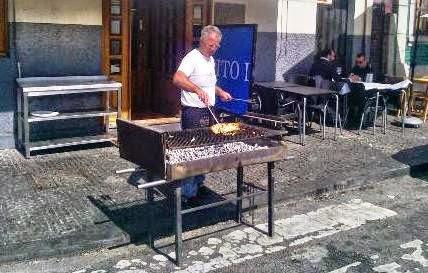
(234, 65)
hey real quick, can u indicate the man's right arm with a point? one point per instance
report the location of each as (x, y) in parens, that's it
(182, 81)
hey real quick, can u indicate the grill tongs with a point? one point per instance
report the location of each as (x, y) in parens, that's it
(212, 113)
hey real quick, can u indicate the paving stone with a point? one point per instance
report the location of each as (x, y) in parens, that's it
(70, 201)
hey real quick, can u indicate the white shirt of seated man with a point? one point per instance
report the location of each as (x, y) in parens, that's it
(201, 71)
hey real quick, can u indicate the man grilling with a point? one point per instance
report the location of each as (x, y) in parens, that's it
(197, 80)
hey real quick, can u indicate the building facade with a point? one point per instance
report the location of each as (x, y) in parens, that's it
(64, 38)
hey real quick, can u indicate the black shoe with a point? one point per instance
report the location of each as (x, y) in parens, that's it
(203, 192)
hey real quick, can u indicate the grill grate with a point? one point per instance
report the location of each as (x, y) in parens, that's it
(204, 136)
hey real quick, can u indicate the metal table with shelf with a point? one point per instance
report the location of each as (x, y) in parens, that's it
(52, 86)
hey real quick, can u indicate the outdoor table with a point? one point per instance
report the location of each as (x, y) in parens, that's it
(276, 85)
(382, 88)
(304, 92)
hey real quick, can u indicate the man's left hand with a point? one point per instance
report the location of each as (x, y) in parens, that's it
(225, 96)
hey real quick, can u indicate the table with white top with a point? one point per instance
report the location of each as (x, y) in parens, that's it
(51, 86)
(380, 88)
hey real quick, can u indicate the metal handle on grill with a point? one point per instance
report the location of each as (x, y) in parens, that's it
(242, 100)
(209, 108)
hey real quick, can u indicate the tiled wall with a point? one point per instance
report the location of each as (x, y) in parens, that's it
(47, 50)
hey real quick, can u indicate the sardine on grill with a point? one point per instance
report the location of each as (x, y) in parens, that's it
(225, 128)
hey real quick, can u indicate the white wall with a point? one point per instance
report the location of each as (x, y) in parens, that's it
(297, 16)
(293, 16)
(260, 12)
(363, 12)
(79, 12)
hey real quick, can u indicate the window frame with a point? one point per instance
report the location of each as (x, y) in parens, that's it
(4, 28)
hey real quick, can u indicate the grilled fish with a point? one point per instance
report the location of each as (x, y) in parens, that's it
(225, 128)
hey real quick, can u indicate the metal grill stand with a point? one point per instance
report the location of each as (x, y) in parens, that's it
(179, 212)
(151, 149)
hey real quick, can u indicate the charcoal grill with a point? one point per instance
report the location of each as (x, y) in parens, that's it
(153, 148)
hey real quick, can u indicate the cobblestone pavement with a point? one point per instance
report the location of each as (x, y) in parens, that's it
(72, 201)
(377, 229)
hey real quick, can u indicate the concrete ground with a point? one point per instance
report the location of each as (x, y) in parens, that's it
(69, 202)
(382, 228)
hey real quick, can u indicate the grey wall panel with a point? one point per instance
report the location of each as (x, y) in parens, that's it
(295, 55)
(48, 50)
(265, 56)
(7, 98)
(279, 56)
(58, 50)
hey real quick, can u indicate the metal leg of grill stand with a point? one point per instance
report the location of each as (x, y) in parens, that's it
(178, 228)
(239, 185)
(150, 199)
(271, 216)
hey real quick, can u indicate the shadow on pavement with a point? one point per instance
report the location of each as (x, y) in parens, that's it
(416, 158)
(138, 217)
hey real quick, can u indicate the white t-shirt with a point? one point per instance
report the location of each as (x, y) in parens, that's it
(201, 71)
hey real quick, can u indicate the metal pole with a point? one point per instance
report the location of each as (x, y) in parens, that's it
(25, 108)
(404, 105)
(337, 116)
(19, 116)
(119, 102)
(323, 120)
(239, 185)
(375, 114)
(304, 121)
(271, 182)
(150, 199)
(178, 227)
(415, 48)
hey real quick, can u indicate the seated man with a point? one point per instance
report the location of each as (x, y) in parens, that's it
(325, 66)
(361, 69)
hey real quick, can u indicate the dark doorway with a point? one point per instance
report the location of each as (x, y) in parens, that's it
(158, 42)
(162, 32)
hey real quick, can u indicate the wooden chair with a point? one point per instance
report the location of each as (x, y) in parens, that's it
(422, 97)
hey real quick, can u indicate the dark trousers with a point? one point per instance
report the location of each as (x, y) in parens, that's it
(191, 118)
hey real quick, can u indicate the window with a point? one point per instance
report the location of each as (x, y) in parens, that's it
(226, 13)
(3, 27)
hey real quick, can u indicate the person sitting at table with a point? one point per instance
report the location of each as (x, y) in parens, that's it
(361, 69)
(325, 67)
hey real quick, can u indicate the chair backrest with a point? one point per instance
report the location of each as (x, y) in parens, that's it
(320, 82)
(301, 79)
